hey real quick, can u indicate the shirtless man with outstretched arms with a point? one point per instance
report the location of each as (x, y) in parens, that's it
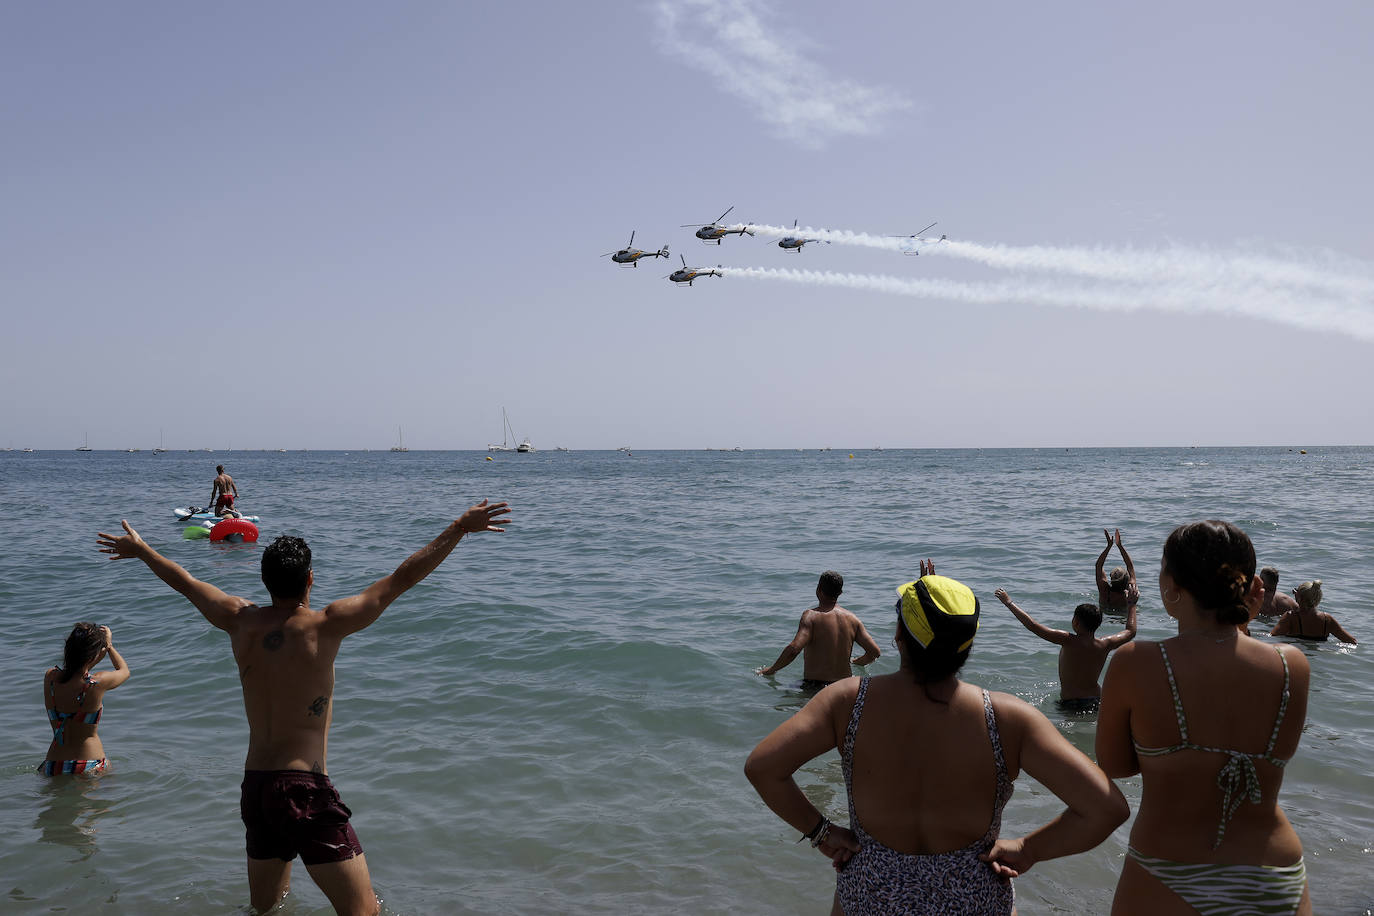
(827, 634)
(1082, 653)
(285, 652)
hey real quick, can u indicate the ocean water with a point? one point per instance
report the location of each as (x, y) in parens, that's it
(557, 719)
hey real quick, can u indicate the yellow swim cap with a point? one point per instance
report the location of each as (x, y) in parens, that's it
(939, 608)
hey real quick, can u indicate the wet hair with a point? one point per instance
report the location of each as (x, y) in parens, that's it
(831, 584)
(928, 665)
(83, 645)
(286, 567)
(219, 469)
(1119, 579)
(1309, 594)
(1089, 615)
(1270, 575)
(1214, 562)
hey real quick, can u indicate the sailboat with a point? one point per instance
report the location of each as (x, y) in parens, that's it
(159, 450)
(506, 435)
(86, 445)
(400, 445)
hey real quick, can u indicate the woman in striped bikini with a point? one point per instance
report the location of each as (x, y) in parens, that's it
(1208, 719)
(74, 700)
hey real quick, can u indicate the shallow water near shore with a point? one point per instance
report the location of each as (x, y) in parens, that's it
(557, 719)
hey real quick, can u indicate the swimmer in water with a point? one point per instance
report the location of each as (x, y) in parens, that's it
(826, 633)
(1117, 590)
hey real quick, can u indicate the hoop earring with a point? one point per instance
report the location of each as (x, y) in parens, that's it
(1169, 597)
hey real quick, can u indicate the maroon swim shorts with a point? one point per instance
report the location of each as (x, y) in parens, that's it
(292, 812)
(225, 499)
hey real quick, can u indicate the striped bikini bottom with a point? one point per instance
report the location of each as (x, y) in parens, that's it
(1228, 890)
(58, 767)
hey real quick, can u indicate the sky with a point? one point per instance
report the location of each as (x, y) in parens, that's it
(320, 225)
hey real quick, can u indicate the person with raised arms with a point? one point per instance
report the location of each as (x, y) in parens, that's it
(285, 652)
(1116, 591)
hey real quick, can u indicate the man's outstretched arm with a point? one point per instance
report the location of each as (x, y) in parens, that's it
(1058, 637)
(216, 606)
(1117, 640)
(792, 649)
(349, 615)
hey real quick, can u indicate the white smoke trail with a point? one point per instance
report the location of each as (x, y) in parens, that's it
(1247, 297)
(1327, 273)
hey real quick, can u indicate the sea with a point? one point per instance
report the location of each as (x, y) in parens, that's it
(557, 719)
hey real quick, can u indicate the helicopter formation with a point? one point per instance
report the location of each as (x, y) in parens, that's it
(716, 230)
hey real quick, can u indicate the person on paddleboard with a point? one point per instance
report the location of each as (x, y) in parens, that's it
(223, 493)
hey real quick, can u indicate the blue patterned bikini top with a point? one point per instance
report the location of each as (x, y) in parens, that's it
(59, 719)
(1238, 779)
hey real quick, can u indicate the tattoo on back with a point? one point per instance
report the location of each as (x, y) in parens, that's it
(272, 641)
(316, 768)
(318, 707)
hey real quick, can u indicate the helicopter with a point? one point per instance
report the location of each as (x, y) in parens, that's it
(912, 247)
(714, 231)
(795, 243)
(688, 274)
(631, 255)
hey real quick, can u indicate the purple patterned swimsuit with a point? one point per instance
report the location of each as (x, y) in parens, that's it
(879, 880)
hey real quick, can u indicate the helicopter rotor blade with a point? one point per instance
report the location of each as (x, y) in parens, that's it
(632, 239)
(725, 214)
(931, 226)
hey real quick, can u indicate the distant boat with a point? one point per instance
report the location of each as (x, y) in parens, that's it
(559, 448)
(623, 448)
(525, 447)
(28, 451)
(400, 445)
(86, 445)
(508, 434)
(160, 449)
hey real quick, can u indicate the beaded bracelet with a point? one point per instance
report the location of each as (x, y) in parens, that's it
(824, 833)
(814, 830)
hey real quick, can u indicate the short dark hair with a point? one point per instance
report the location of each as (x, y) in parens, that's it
(1270, 575)
(831, 584)
(1090, 615)
(1214, 561)
(219, 468)
(286, 567)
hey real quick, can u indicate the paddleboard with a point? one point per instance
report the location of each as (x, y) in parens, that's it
(186, 515)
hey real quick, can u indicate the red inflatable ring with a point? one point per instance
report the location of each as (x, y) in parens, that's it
(232, 527)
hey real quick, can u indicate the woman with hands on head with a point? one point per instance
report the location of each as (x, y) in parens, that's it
(74, 697)
(929, 762)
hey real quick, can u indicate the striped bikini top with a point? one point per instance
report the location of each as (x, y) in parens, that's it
(1238, 779)
(59, 719)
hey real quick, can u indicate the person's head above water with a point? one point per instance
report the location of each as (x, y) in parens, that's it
(1214, 562)
(1270, 577)
(830, 586)
(1088, 616)
(1118, 579)
(937, 620)
(286, 567)
(1309, 594)
(219, 469)
(83, 647)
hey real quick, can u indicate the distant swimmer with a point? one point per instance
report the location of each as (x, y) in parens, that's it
(223, 493)
(285, 652)
(1306, 622)
(1082, 654)
(827, 634)
(1117, 591)
(1275, 602)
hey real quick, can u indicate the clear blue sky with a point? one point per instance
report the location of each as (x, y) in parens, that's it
(304, 225)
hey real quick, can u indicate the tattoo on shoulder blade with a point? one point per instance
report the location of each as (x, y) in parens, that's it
(272, 641)
(318, 707)
(316, 768)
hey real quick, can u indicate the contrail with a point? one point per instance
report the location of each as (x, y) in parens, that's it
(1325, 273)
(1249, 297)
